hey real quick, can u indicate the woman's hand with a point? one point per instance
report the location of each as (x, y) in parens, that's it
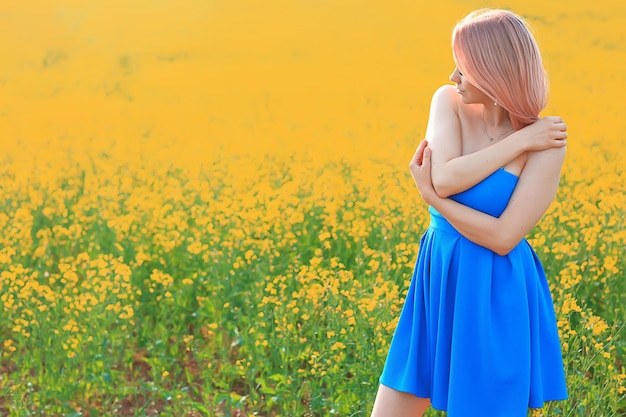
(546, 133)
(420, 170)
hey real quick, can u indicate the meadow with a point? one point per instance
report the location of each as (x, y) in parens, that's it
(207, 211)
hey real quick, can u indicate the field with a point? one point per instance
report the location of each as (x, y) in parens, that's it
(207, 210)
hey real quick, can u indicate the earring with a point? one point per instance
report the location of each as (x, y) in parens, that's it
(495, 103)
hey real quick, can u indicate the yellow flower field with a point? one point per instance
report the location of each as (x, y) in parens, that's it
(207, 210)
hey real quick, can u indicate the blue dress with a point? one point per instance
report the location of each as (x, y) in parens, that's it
(477, 333)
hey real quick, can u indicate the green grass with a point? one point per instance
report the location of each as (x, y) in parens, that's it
(188, 303)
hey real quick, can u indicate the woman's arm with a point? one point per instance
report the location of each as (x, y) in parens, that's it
(533, 194)
(453, 172)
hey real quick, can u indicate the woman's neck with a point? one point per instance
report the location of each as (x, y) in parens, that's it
(496, 117)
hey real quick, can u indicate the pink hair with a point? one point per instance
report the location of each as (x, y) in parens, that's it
(496, 52)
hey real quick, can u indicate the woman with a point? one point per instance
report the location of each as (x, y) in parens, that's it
(477, 335)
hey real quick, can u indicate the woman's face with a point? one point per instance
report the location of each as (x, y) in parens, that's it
(469, 93)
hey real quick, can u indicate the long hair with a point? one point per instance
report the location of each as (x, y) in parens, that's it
(496, 51)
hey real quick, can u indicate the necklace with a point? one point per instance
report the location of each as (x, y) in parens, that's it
(492, 138)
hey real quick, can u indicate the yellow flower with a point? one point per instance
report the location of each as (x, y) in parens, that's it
(324, 236)
(8, 345)
(337, 346)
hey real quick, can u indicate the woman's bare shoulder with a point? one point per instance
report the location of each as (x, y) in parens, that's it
(544, 164)
(448, 97)
(552, 155)
(444, 104)
(443, 132)
(447, 94)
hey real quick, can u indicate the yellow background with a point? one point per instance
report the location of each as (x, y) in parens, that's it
(340, 77)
